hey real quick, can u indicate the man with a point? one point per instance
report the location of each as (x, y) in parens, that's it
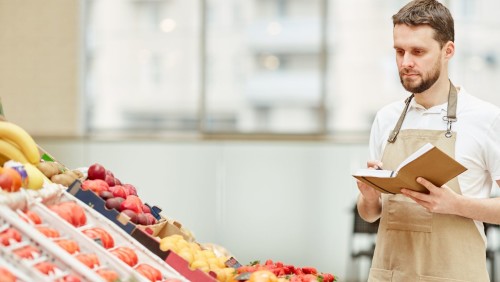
(437, 236)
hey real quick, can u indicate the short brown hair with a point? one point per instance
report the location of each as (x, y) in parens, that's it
(430, 12)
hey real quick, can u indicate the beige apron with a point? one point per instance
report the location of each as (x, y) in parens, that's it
(414, 244)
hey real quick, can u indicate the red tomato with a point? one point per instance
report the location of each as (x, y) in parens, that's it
(9, 235)
(99, 233)
(108, 275)
(149, 272)
(90, 260)
(45, 267)
(27, 252)
(69, 245)
(6, 275)
(48, 232)
(33, 216)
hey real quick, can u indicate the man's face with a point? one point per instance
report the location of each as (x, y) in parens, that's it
(418, 57)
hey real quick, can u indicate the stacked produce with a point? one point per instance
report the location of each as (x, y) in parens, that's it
(94, 240)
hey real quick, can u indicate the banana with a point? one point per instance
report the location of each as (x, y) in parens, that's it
(11, 152)
(20, 137)
(35, 177)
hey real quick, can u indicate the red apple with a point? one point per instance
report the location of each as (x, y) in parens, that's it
(110, 180)
(119, 191)
(106, 195)
(130, 188)
(96, 185)
(133, 203)
(96, 171)
(132, 214)
(146, 209)
(114, 203)
(151, 218)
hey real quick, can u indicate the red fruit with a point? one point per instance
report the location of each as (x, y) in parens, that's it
(90, 260)
(114, 203)
(151, 219)
(33, 216)
(69, 278)
(6, 275)
(45, 267)
(131, 214)
(149, 272)
(96, 171)
(71, 212)
(132, 203)
(118, 191)
(5, 182)
(108, 172)
(96, 185)
(108, 275)
(69, 245)
(117, 181)
(126, 254)
(106, 195)
(48, 232)
(100, 234)
(27, 252)
(146, 209)
(130, 188)
(110, 180)
(10, 235)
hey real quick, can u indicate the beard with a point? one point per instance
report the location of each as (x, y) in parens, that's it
(425, 82)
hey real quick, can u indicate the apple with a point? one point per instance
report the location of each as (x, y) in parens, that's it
(130, 188)
(114, 203)
(132, 214)
(146, 208)
(133, 203)
(110, 180)
(96, 185)
(118, 191)
(96, 171)
(151, 218)
(106, 195)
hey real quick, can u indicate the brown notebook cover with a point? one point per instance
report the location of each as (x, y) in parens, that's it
(428, 162)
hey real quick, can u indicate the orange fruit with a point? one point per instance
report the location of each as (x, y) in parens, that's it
(17, 180)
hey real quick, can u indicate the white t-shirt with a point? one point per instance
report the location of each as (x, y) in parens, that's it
(478, 137)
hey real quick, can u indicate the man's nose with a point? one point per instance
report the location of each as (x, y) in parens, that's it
(407, 61)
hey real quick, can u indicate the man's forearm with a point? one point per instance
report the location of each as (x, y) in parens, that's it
(485, 210)
(369, 211)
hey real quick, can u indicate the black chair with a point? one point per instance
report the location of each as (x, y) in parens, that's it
(366, 231)
(490, 252)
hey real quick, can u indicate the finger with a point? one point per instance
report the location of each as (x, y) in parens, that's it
(416, 196)
(374, 164)
(427, 184)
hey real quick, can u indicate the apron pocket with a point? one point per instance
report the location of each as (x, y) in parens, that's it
(437, 279)
(379, 275)
(405, 214)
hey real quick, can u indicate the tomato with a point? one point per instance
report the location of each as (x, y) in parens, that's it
(108, 275)
(48, 232)
(33, 216)
(149, 272)
(27, 252)
(69, 245)
(6, 275)
(106, 239)
(45, 267)
(90, 260)
(9, 235)
(124, 255)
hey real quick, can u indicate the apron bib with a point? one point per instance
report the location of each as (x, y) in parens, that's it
(414, 244)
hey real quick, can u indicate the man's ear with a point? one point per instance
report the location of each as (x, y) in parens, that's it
(449, 49)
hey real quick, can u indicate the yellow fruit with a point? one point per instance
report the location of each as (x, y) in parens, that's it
(263, 276)
(22, 139)
(187, 255)
(199, 264)
(166, 245)
(35, 177)
(11, 152)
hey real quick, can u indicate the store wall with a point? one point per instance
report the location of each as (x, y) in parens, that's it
(39, 68)
(288, 201)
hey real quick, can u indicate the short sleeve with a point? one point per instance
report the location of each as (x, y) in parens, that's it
(492, 149)
(375, 144)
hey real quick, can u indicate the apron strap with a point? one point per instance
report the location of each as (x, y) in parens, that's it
(451, 115)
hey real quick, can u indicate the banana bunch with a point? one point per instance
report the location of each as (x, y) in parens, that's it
(16, 144)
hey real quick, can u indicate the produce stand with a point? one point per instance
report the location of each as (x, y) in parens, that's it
(84, 224)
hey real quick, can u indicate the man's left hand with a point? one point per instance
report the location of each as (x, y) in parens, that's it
(439, 200)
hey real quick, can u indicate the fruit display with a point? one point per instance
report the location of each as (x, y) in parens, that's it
(61, 224)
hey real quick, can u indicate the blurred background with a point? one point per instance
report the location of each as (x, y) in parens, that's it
(242, 119)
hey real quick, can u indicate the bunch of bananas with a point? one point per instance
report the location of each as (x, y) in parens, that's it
(17, 145)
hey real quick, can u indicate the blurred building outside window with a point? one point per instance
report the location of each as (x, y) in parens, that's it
(261, 66)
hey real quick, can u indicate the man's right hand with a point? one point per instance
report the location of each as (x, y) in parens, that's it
(369, 203)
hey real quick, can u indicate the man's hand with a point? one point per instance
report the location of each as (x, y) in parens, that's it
(439, 200)
(369, 205)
